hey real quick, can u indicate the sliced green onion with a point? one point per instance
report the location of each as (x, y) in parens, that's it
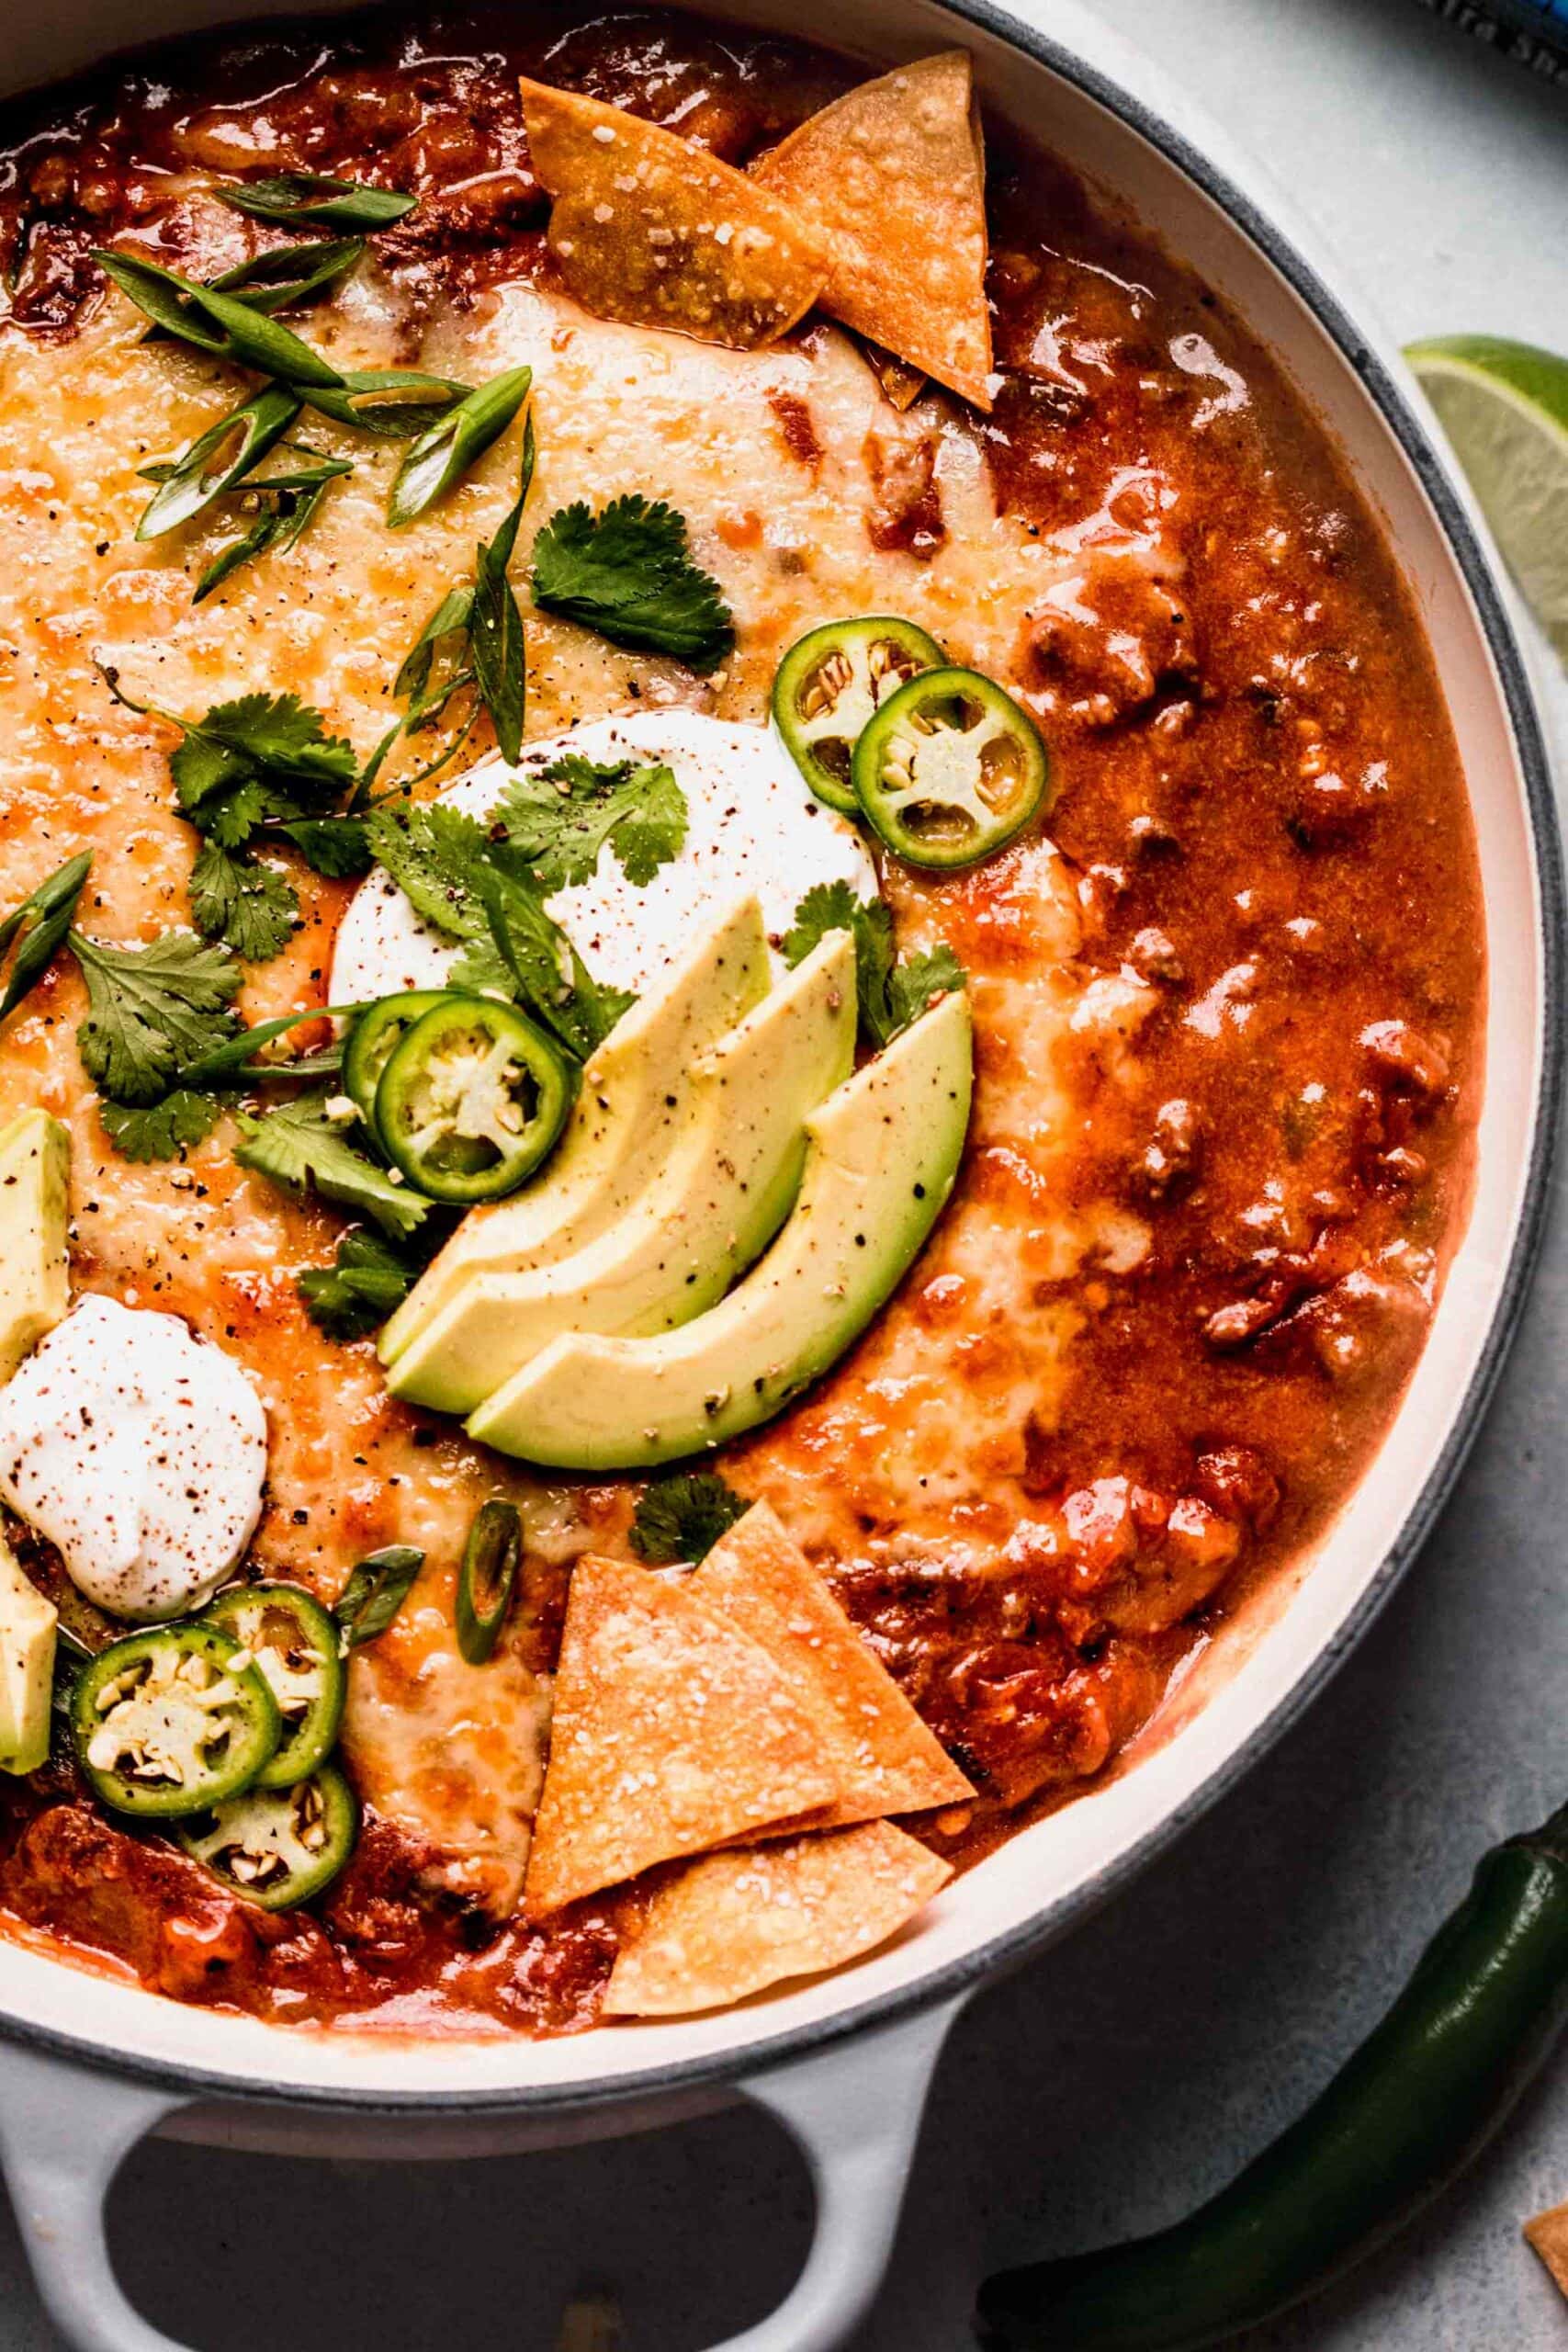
(160, 297)
(496, 649)
(290, 275)
(454, 612)
(219, 322)
(316, 468)
(443, 454)
(374, 1594)
(237, 1058)
(285, 278)
(260, 343)
(313, 199)
(394, 403)
(289, 503)
(42, 921)
(505, 539)
(199, 475)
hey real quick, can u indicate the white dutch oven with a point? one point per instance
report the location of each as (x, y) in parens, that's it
(86, 2067)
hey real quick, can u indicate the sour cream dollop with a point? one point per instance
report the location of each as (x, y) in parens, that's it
(752, 824)
(140, 1452)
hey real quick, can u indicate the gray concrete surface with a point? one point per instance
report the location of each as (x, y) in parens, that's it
(1128, 2071)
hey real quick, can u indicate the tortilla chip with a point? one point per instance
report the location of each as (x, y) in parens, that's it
(720, 1929)
(1548, 2233)
(672, 1731)
(882, 1756)
(648, 229)
(891, 181)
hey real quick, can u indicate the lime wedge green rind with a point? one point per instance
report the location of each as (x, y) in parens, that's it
(1505, 407)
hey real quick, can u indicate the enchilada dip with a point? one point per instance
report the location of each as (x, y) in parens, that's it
(740, 1019)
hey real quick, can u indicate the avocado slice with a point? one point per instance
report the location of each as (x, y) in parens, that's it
(35, 1284)
(28, 1623)
(720, 1198)
(628, 1113)
(882, 1158)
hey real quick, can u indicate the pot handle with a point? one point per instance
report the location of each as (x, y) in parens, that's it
(64, 2132)
(856, 2113)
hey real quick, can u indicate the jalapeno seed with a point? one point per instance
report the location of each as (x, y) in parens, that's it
(829, 686)
(294, 1646)
(377, 1031)
(277, 1847)
(950, 769)
(471, 1099)
(172, 1720)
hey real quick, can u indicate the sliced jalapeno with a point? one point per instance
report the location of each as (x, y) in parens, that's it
(488, 1578)
(277, 1847)
(379, 1028)
(471, 1099)
(172, 1720)
(830, 684)
(295, 1646)
(950, 768)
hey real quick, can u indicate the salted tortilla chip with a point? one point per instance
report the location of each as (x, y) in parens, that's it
(883, 1757)
(1548, 2233)
(672, 1731)
(648, 229)
(720, 1929)
(891, 181)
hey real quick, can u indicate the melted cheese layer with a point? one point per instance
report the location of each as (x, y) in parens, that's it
(920, 1425)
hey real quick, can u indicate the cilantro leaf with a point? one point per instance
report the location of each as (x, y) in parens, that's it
(262, 760)
(559, 819)
(833, 906)
(433, 854)
(551, 977)
(917, 981)
(262, 757)
(229, 802)
(353, 1296)
(683, 1518)
(299, 1146)
(338, 847)
(890, 994)
(876, 954)
(483, 970)
(161, 1130)
(827, 906)
(245, 905)
(483, 892)
(151, 1009)
(628, 573)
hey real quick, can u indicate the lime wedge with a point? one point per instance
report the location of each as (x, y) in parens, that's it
(1505, 407)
